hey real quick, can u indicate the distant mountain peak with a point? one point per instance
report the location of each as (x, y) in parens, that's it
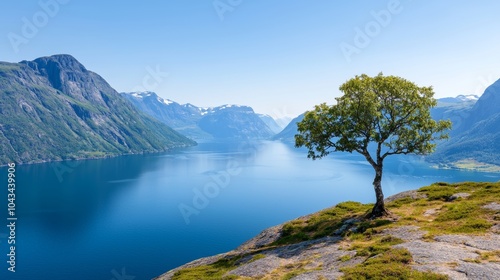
(459, 99)
(228, 121)
(149, 94)
(488, 103)
(165, 101)
(61, 61)
(492, 90)
(203, 110)
(59, 70)
(143, 94)
(468, 97)
(225, 106)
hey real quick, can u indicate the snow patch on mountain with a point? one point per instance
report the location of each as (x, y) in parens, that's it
(141, 94)
(469, 97)
(164, 101)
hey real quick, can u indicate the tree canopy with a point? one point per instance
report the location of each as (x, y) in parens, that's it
(376, 117)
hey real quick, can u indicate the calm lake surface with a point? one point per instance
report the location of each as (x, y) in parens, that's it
(121, 218)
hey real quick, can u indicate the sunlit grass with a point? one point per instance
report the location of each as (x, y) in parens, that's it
(435, 213)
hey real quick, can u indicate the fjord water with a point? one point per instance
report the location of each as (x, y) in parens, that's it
(119, 218)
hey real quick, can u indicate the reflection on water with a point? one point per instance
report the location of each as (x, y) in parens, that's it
(84, 220)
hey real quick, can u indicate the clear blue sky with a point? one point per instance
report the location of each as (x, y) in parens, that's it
(280, 57)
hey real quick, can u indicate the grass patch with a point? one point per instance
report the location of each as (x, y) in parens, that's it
(213, 271)
(493, 256)
(452, 217)
(257, 257)
(392, 264)
(438, 191)
(400, 202)
(461, 217)
(345, 258)
(323, 223)
(289, 271)
(368, 246)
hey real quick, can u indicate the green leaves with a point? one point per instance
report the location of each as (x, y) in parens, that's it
(390, 111)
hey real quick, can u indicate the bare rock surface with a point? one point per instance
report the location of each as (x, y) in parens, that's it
(264, 238)
(489, 242)
(413, 194)
(492, 206)
(453, 255)
(407, 233)
(437, 252)
(430, 212)
(443, 269)
(496, 228)
(260, 267)
(487, 271)
(318, 275)
(458, 195)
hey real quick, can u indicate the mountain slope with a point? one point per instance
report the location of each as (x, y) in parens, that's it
(288, 133)
(227, 122)
(183, 118)
(234, 122)
(271, 123)
(53, 108)
(477, 138)
(456, 109)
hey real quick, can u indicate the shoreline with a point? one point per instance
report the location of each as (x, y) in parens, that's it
(106, 156)
(467, 165)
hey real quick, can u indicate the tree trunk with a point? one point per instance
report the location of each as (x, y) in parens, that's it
(379, 208)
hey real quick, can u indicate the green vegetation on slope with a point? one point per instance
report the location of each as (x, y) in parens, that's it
(438, 210)
(54, 109)
(391, 264)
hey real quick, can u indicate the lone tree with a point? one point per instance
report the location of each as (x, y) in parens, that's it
(376, 117)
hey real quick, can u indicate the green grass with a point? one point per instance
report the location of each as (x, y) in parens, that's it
(392, 264)
(320, 224)
(213, 271)
(461, 216)
(367, 245)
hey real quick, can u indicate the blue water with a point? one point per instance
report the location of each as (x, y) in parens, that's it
(119, 218)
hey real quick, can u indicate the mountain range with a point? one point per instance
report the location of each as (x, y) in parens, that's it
(53, 108)
(288, 133)
(476, 131)
(475, 134)
(226, 122)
